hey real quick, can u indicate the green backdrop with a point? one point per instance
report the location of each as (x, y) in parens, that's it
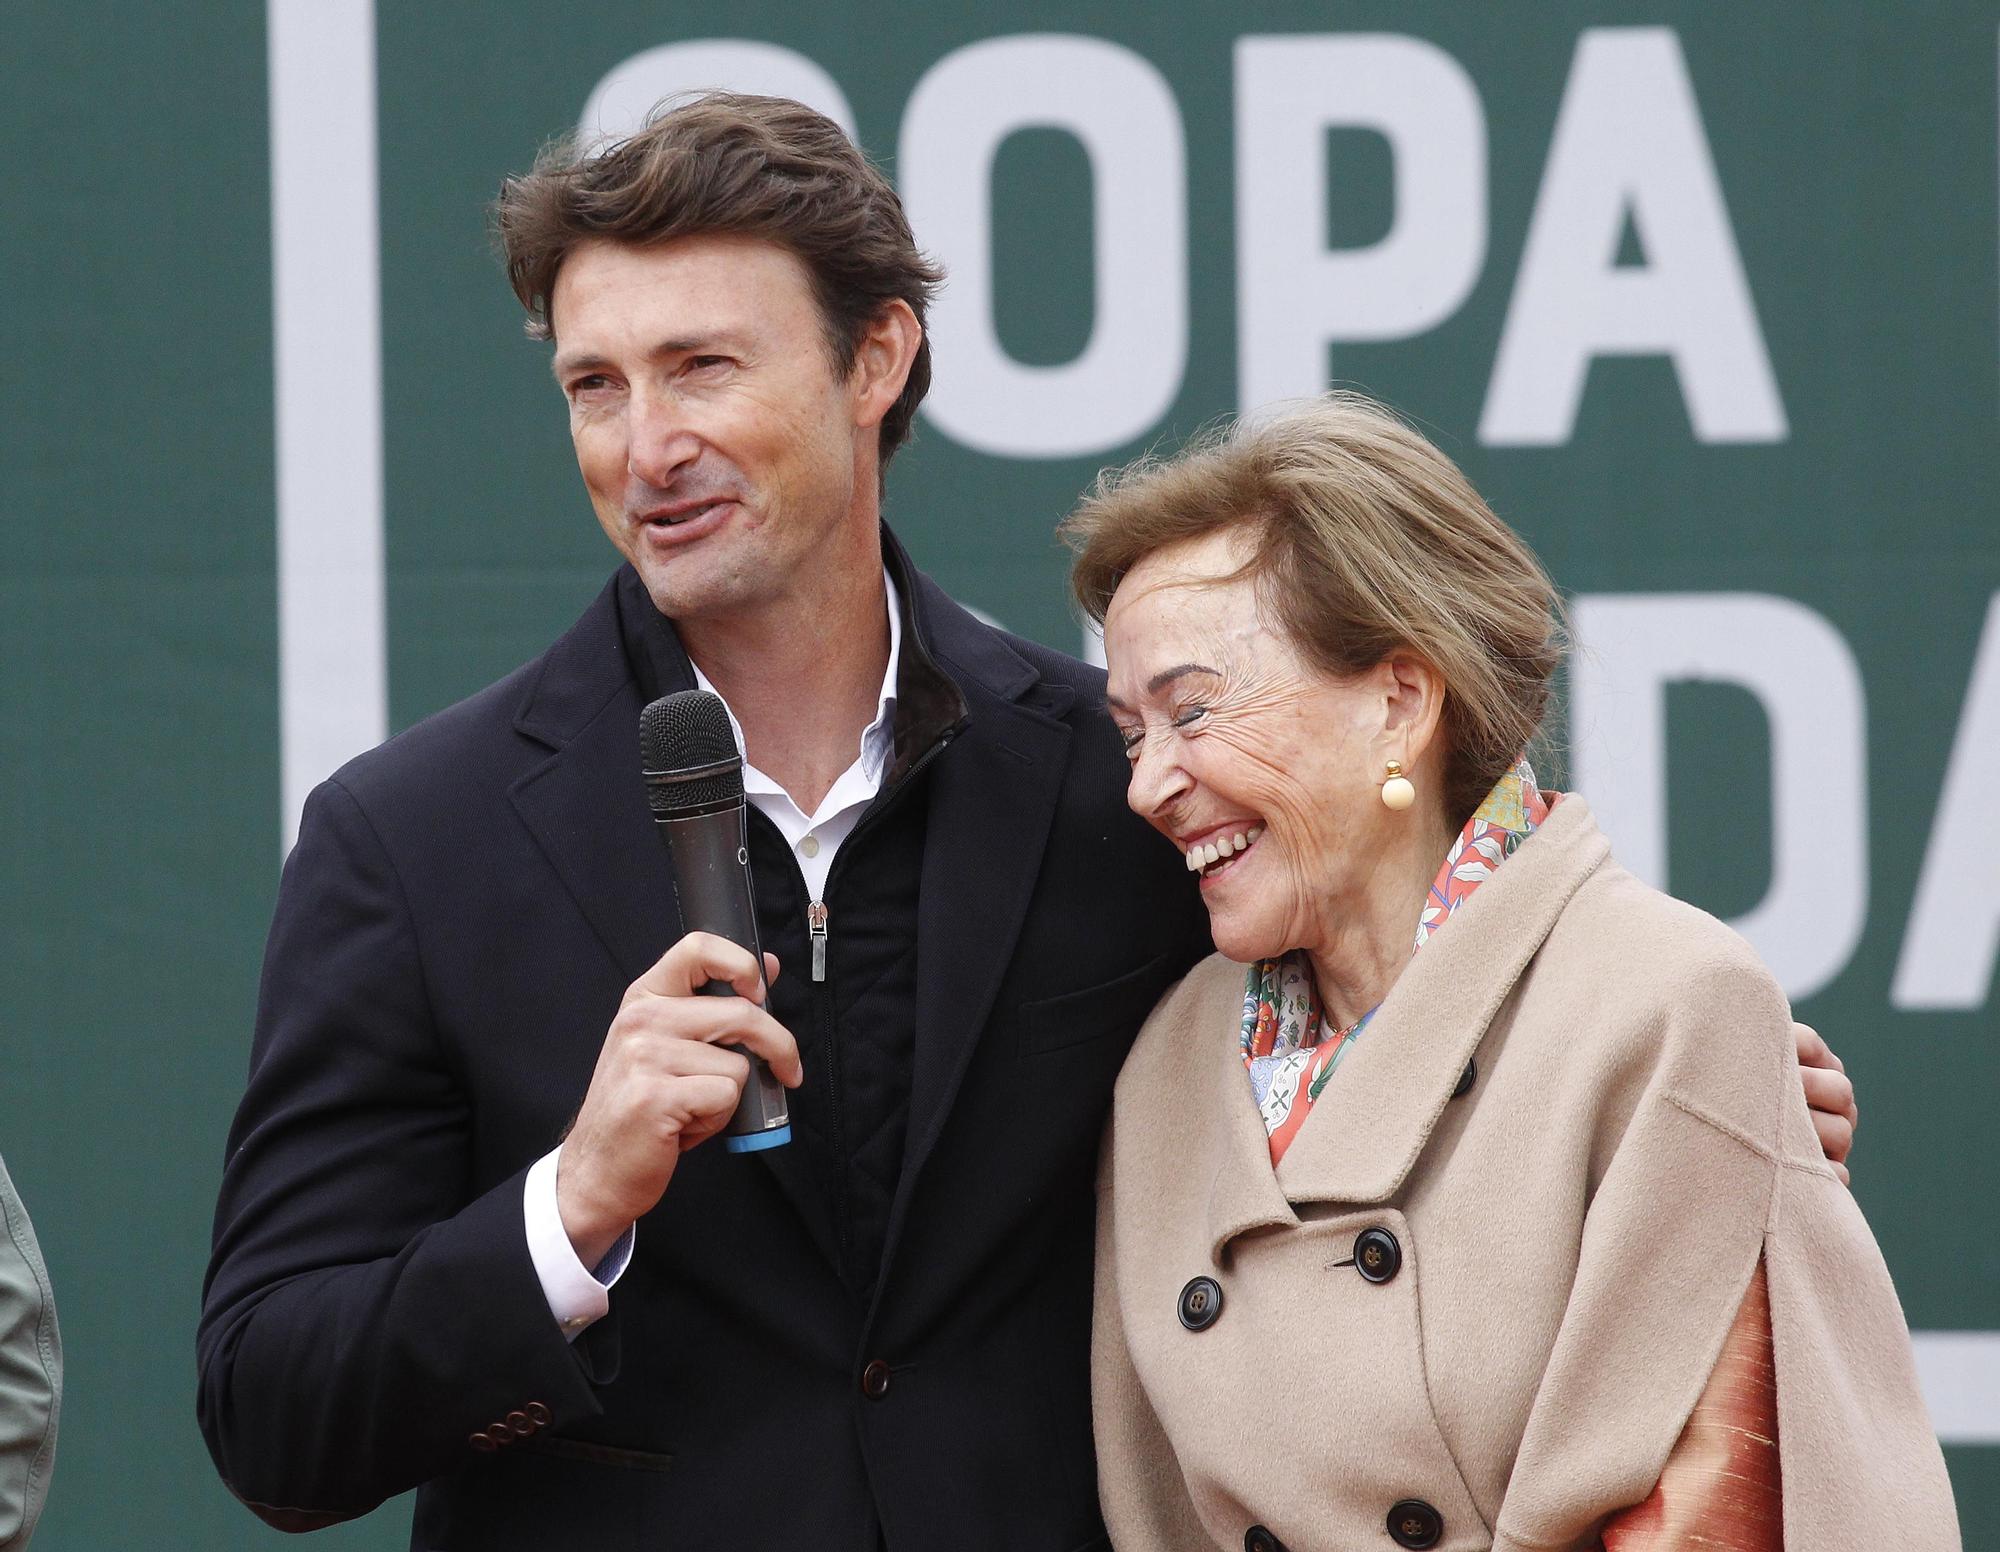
(1853, 147)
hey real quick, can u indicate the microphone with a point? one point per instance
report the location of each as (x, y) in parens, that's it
(694, 786)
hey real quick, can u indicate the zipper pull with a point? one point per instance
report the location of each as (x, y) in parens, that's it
(816, 926)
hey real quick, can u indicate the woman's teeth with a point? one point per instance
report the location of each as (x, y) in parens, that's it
(1205, 856)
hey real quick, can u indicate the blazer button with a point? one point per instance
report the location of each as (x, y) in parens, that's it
(1466, 1079)
(1200, 1303)
(1415, 1524)
(500, 1434)
(538, 1414)
(480, 1442)
(519, 1425)
(1377, 1257)
(1258, 1539)
(875, 1380)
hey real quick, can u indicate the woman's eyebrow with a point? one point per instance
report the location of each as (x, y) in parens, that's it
(1167, 676)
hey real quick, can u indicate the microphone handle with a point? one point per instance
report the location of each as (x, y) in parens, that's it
(710, 854)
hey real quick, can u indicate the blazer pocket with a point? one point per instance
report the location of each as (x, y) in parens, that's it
(1111, 1007)
(599, 1454)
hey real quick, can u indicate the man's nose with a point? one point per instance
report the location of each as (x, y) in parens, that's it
(663, 440)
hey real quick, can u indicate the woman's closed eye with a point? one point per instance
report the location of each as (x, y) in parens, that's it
(1189, 716)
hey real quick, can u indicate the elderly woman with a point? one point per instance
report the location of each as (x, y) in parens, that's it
(1493, 1244)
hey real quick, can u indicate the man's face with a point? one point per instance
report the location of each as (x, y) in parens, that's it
(719, 446)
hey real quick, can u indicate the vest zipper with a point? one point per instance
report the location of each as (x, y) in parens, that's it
(816, 914)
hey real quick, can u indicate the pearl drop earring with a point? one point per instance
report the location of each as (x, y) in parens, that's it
(1397, 793)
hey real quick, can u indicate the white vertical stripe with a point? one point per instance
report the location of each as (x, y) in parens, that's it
(1960, 1375)
(326, 304)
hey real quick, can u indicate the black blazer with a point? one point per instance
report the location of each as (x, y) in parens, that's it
(463, 911)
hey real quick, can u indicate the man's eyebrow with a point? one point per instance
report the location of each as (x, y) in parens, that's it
(688, 345)
(560, 365)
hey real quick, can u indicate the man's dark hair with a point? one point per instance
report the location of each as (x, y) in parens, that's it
(727, 163)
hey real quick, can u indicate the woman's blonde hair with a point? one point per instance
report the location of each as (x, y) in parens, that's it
(1365, 540)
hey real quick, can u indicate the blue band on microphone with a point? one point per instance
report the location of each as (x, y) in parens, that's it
(757, 1142)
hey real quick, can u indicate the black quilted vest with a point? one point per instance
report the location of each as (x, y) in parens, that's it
(855, 1023)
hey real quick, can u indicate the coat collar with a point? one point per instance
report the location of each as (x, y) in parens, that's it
(1365, 1135)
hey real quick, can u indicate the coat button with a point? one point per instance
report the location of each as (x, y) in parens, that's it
(519, 1425)
(500, 1434)
(538, 1414)
(1258, 1539)
(1466, 1079)
(480, 1442)
(875, 1380)
(1200, 1303)
(1414, 1523)
(1377, 1256)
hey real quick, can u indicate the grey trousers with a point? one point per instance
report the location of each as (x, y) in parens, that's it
(30, 1373)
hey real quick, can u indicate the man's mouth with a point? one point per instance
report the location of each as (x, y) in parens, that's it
(674, 517)
(685, 522)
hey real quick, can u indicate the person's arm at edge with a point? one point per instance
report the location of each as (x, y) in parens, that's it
(30, 1373)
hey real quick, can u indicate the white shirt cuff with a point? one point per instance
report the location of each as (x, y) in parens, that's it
(577, 1295)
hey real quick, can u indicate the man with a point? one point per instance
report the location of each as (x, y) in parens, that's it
(466, 1240)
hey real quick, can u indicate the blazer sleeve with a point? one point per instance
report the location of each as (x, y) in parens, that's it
(1140, 1489)
(1717, 1167)
(30, 1373)
(365, 1310)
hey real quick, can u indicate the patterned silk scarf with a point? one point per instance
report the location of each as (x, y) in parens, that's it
(1288, 1054)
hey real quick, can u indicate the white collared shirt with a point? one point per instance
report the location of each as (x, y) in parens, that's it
(815, 837)
(579, 1295)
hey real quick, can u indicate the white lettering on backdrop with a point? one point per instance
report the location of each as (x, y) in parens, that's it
(1629, 146)
(1295, 295)
(1630, 647)
(1123, 113)
(326, 309)
(1954, 933)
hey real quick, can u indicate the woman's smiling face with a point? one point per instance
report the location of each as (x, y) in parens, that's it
(1261, 768)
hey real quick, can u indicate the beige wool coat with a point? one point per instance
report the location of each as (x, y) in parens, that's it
(1573, 1235)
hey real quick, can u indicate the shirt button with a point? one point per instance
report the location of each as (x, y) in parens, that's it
(810, 846)
(1377, 1257)
(875, 1380)
(1415, 1524)
(1200, 1303)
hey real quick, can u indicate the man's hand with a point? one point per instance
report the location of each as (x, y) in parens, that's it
(1830, 1093)
(664, 1083)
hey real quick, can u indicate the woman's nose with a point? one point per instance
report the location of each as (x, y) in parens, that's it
(1157, 780)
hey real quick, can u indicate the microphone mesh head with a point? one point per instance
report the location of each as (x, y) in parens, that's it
(682, 737)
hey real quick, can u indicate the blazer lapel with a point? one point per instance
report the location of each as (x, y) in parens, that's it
(992, 799)
(1364, 1136)
(586, 804)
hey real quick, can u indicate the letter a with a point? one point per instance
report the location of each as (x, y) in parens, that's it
(1629, 145)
